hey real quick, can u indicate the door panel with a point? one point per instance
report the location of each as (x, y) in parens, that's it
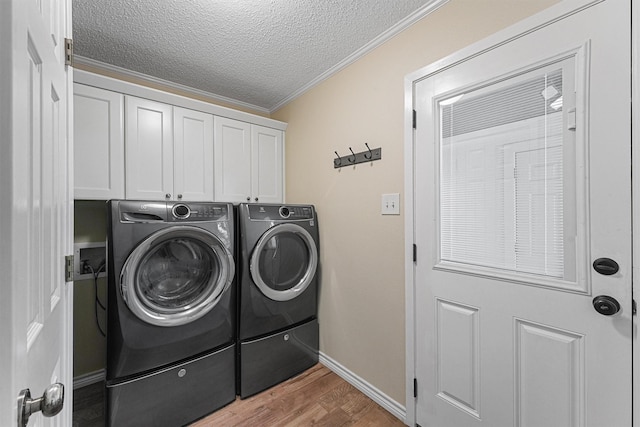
(266, 164)
(149, 150)
(193, 155)
(522, 171)
(37, 209)
(232, 160)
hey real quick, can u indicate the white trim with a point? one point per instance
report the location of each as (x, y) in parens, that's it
(103, 66)
(89, 378)
(635, 200)
(425, 10)
(395, 408)
(513, 32)
(126, 88)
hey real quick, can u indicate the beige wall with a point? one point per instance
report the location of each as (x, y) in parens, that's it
(362, 316)
(89, 347)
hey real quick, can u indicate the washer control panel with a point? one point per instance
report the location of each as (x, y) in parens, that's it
(198, 211)
(281, 212)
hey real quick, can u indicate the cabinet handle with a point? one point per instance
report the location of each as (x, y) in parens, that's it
(167, 196)
(179, 196)
(248, 199)
(256, 199)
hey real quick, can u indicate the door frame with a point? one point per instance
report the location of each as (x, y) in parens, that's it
(515, 31)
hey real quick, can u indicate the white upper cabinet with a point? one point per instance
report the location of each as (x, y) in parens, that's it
(169, 152)
(232, 159)
(192, 155)
(149, 149)
(98, 143)
(138, 143)
(266, 164)
(248, 162)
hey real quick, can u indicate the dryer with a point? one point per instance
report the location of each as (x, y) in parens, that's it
(171, 326)
(277, 294)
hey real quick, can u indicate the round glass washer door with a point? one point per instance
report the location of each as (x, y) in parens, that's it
(176, 276)
(284, 262)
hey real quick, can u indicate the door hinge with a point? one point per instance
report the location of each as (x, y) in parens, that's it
(68, 52)
(415, 119)
(634, 309)
(415, 387)
(68, 268)
(415, 253)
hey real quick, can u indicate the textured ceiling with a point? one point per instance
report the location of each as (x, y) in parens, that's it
(260, 53)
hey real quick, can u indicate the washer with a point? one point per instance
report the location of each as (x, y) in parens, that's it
(171, 328)
(278, 288)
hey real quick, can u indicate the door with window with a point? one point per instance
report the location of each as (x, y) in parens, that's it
(523, 227)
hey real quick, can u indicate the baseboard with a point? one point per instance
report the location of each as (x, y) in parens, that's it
(372, 392)
(88, 379)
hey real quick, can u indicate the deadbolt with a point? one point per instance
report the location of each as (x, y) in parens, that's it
(606, 305)
(606, 266)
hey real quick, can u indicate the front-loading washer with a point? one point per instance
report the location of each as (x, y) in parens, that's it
(171, 327)
(277, 294)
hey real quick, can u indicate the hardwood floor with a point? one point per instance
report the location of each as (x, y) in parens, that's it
(88, 406)
(317, 397)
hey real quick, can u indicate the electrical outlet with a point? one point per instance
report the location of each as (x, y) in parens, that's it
(89, 259)
(391, 204)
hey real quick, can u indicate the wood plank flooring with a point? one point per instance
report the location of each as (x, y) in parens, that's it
(317, 397)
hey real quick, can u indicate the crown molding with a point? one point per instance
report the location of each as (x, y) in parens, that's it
(123, 72)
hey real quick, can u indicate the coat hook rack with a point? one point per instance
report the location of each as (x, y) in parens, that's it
(369, 155)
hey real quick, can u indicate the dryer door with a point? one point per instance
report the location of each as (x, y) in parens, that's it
(176, 276)
(284, 262)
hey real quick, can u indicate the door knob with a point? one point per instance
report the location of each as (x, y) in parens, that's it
(606, 266)
(606, 305)
(50, 403)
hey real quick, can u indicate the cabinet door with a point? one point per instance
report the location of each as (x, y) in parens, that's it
(232, 160)
(266, 164)
(99, 143)
(149, 150)
(192, 155)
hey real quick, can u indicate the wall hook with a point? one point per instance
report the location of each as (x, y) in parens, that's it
(337, 162)
(370, 155)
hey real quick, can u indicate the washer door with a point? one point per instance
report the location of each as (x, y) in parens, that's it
(176, 276)
(284, 262)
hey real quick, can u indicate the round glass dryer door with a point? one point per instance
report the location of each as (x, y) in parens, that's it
(284, 262)
(176, 276)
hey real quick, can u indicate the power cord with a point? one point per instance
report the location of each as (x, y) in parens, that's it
(97, 303)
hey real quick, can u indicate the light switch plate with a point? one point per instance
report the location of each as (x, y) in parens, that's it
(391, 204)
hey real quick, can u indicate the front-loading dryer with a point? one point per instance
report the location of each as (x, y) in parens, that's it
(171, 326)
(278, 294)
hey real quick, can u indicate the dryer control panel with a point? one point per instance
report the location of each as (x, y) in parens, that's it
(132, 211)
(281, 212)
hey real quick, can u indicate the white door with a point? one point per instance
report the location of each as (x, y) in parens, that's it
(36, 213)
(148, 149)
(192, 155)
(232, 160)
(266, 164)
(523, 180)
